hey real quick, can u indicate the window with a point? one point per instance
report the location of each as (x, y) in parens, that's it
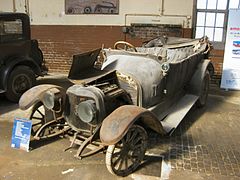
(211, 19)
(11, 30)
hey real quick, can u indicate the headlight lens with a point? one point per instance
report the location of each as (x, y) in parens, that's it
(48, 100)
(86, 111)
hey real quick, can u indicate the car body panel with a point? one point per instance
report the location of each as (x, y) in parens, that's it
(116, 125)
(36, 94)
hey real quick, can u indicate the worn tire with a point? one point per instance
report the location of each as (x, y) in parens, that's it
(204, 90)
(20, 80)
(127, 150)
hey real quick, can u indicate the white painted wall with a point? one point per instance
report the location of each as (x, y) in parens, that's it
(51, 12)
(6, 5)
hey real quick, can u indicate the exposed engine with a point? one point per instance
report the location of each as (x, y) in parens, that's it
(87, 105)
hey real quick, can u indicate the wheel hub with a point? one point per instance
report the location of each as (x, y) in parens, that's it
(20, 83)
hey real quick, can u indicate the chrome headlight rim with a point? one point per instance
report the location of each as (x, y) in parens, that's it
(86, 111)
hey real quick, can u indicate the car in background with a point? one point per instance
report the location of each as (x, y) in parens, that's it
(21, 59)
(105, 7)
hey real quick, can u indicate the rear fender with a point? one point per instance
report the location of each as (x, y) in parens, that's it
(14, 62)
(116, 125)
(36, 94)
(195, 83)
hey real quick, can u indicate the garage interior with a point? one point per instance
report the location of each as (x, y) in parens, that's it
(206, 143)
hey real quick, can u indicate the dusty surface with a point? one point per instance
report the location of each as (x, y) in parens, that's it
(205, 146)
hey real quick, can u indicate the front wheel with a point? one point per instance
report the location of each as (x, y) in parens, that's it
(20, 80)
(42, 127)
(204, 90)
(124, 157)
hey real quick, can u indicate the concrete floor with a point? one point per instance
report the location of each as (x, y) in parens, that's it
(205, 146)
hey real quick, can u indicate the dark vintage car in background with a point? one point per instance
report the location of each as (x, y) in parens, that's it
(136, 88)
(21, 60)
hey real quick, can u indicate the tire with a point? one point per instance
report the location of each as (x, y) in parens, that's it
(111, 11)
(124, 157)
(70, 11)
(204, 90)
(87, 10)
(20, 80)
(38, 117)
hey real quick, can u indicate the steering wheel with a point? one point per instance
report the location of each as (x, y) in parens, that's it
(125, 45)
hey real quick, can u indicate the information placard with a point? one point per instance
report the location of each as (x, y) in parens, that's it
(21, 133)
(231, 64)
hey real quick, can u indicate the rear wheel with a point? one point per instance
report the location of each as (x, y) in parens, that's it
(20, 80)
(204, 90)
(124, 157)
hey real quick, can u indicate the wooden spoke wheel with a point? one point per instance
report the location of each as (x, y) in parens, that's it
(42, 129)
(124, 157)
(38, 117)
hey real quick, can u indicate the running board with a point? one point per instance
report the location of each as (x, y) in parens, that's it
(178, 112)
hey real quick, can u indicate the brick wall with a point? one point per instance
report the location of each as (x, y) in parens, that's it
(216, 57)
(60, 43)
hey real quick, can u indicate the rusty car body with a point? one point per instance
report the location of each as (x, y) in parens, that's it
(47, 102)
(136, 87)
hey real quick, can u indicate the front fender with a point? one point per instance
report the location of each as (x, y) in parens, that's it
(35, 94)
(116, 125)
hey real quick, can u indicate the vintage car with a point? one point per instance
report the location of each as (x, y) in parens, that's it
(95, 7)
(136, 88)
(21, 59)
(106, 7)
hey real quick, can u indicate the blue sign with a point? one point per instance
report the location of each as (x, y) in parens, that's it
(21, 133)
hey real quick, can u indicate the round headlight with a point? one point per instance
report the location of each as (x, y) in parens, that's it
(86, 111)
(48, 100)
(165, 67)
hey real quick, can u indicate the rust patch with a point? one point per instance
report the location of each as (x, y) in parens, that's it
(116, 125)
